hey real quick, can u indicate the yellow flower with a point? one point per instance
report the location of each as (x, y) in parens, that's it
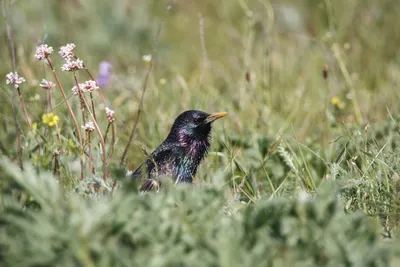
(337, 102)
(50, 119)
(34, 127)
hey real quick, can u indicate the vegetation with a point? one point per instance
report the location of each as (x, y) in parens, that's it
(304, 171)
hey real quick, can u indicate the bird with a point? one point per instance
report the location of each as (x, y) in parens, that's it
(179, 155)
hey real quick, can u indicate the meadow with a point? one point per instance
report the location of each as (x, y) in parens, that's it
(304, 171)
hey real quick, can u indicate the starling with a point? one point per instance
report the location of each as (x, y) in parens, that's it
(181, 152)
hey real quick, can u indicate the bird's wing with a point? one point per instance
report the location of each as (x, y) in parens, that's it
(153, 164)
(158, 162)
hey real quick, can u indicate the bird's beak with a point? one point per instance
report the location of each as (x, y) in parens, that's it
(215, 116)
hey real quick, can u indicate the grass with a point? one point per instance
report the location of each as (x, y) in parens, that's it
(310, 88)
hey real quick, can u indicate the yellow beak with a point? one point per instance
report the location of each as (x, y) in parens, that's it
(215, 116)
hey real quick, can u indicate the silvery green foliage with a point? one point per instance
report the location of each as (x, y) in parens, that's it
(180, 227)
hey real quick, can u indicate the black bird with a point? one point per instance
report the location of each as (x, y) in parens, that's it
(181, 152)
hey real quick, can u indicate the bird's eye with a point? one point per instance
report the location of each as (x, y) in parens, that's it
(197, 120)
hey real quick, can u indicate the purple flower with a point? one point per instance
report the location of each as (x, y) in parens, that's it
(104, 73)
(105, 68)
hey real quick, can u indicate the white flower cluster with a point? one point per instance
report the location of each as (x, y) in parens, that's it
(88, 86)
(110, 115)
(75, 90)
(47, 84)
(67, 51)
(72, 65)
(43, 51)
(89, 126)
(13, 78)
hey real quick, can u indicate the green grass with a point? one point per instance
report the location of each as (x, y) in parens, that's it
(285, 137)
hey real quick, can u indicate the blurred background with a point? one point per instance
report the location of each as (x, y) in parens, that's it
(312, 92)
(313, 70)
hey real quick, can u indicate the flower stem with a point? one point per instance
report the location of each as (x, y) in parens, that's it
(7, 15)
(92, 103)
(78, 132)
(103, 146)
(28, 119)
(82, 107)
(92, 77)
(112, 137)
(90, 154)
(50, 104)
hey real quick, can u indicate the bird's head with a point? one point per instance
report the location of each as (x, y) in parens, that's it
(193, 126)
